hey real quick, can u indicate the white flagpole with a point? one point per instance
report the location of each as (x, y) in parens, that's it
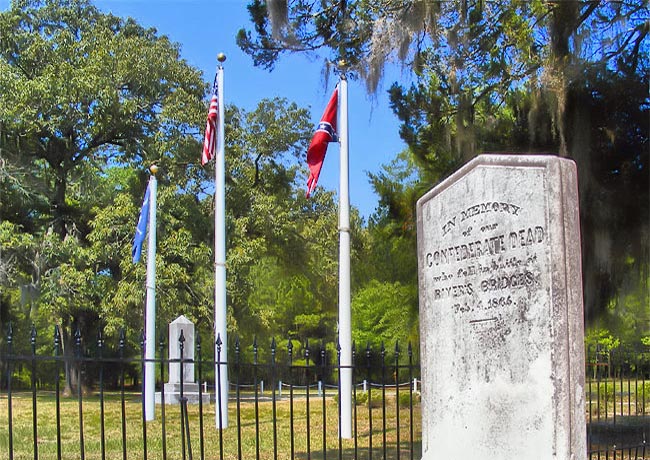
(150, 310)
(345, 328)
(220, 308)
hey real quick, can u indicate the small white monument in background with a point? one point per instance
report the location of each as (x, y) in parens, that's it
(501, 312)
(181, 373)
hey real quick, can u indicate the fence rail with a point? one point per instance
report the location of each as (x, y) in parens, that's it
(279, 408)
(296, 416)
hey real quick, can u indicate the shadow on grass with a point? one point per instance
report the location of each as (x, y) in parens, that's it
(390, 453)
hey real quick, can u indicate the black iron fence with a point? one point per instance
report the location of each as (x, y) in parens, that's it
(283, 403)
(618, 402)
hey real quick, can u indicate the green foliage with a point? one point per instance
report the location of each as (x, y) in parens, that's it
(602, 339)
(626, 321)
(385, 304)
(22, 379)
(85, 99)
(643, 393)
(510, 76)
(371, 399)
(84, 84)
(477, 48)
(278, 301)
(610, 393)
(360, 398)
(405, 398)
(383, 312)
(282, 248)
(82, 95)
(16, 247)
(605, 391)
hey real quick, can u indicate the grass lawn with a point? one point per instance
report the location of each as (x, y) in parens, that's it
(258, 439)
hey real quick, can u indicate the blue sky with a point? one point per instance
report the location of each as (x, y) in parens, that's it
(205, 28)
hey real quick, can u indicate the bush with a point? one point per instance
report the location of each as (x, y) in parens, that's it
(606, 390)
(405, 398)
(361, 398)
(21, 379)
(643, 392)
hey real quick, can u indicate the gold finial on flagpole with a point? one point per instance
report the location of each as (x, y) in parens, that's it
(221, 57)
(153, 169)
(341, 66)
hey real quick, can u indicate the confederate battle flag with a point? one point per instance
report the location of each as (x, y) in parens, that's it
(325, 133)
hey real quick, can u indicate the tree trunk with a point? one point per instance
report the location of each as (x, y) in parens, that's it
(58, 203)
(70, 366)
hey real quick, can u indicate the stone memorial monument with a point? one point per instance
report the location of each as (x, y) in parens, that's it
(501, 314)
(173, 386)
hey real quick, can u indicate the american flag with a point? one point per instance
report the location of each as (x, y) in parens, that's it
(210, 141)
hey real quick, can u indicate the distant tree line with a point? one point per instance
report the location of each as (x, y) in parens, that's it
(89, 100)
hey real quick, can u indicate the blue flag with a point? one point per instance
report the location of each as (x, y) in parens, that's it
(141, 229)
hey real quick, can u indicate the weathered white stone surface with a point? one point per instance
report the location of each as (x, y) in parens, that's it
(175, 327)
(190, 388)
(190, 393)
(501, 312)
